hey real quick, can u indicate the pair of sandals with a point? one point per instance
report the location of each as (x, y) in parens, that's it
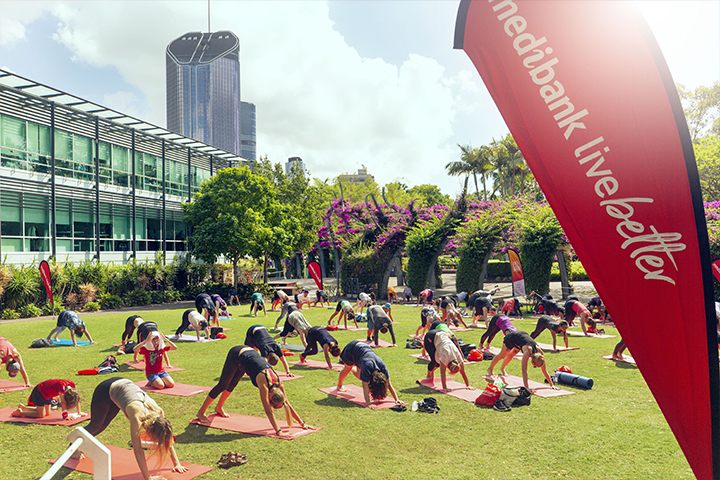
(231, 459)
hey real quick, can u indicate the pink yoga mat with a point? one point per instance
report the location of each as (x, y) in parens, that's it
(125, 467)
(350, 328)
(54, 418)
(459, 329)
(381, 342)
(595, 335)
(179, 390)
(193, 338)
(548, 348)
(317, 364)
(541, 389)
(355, 395)
(140, 365)
(626, 359)
(253, 426)
(417, 337)
(10, 386)
(427, 358)
(285, 378)
(459, 390)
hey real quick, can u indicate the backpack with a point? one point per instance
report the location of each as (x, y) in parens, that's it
(413, 343)
(110, 361)
(214, 331)
(41, 343)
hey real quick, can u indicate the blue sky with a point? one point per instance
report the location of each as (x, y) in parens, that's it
(341, 83)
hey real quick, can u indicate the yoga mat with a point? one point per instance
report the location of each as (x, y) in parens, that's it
(350, 328)
(574, 380)
(417, 337)
(292, 347)
(140, 365)
(284, 376)
(253, 426)
(427, 359)
(54, 418)
(459, 329)
(479, 325)
(581, 334)
(496, 351)
(10, 386)
(459, 390)
(193, 338)
(548, 348)
(124, 466)
(179, 390)
(626, 359)
(382, 343)
(541, 390)
(354, 394)
(64, 342)
(317, 364)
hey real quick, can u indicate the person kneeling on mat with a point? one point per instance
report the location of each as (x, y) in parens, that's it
(327, 342)
(146, 419)
(258, 337)
(153, 349)
(360, 358)
(240, 360)
(444, 352)
(521, 341)
(40, 399)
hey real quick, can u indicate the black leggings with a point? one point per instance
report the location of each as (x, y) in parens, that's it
(491, 331)
(542, 324)
(129, 327)
(232, 372)
(102, 408)
(185, 325)
(144, 330)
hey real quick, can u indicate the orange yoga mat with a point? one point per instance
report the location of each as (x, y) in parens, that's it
(382, 343)
(140, 365)
(125, 467)
(626, 359)
(10, 386)
(253, 425)
(179, 390)
(317, 364)
(54, 418)
(548, 348)
(354, 394)
(458, 390)
(541, 389)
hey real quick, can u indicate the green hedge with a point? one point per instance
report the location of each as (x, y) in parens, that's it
(541, 235)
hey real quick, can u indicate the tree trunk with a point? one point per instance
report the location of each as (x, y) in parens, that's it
(235, 276)
(484, 187)
(265, 272)
(477, 190)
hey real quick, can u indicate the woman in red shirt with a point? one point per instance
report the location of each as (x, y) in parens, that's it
(42, 395)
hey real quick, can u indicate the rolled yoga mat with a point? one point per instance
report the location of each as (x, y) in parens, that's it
(574, 380)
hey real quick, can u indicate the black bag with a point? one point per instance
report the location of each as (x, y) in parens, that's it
(129, 346)
(214, 331)
(523, 398)
(413, 343)
(488, 356)
(41, 343)
(466, 347)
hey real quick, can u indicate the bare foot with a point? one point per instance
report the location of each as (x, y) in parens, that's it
(16, 413)
(203, 418)
(222, 412)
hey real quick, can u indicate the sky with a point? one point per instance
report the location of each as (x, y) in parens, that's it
(342, 84)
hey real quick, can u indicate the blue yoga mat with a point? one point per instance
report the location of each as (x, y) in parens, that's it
(574, 380)
(64, 342)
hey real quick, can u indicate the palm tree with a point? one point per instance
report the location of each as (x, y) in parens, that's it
(473, 161)
(509, 165)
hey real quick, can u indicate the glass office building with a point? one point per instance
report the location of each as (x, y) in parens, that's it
(79, 181)
(248, 143)
(203, 88)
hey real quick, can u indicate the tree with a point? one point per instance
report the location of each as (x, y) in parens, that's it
(429, 195)
(702, 109)
(707, 156)
(236, 213)
(473, 161)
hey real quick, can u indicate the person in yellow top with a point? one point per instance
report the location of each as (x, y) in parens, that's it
(391, 294)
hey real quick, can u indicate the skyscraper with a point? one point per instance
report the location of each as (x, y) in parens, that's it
(247, 129)
(203, 88)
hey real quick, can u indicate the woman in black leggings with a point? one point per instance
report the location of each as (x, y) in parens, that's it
(555, 327)
(116, 394)
(240, 360)
(131, 324)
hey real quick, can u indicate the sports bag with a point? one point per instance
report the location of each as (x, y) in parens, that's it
(489, 396)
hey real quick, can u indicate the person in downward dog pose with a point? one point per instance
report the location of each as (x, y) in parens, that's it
(345, 310)
(259, 338)
(379, 322)
(70, 320)
(498, 323)
(521, 341)
(444, 352)
(555, 328)
(360, 358)
(574, 308)
(328, 344)
(12, 360)
(190, 320)
(242, 360)
(145, 416)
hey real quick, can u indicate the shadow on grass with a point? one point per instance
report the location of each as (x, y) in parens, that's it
(195, 433)
(625, 365)
(418, 390)
(331, 401)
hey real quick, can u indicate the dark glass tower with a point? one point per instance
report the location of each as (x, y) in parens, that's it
(247, 128)
(203, 88)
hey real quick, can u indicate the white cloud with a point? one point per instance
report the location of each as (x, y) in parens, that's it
(13, 18)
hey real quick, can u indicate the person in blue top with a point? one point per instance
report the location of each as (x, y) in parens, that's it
(360, 358)
(329, 345)
(70, 320)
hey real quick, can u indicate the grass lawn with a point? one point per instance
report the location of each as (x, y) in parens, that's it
(613, 431)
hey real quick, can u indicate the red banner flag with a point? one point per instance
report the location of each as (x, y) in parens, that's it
(586, 94)
(518, 278)
(316, 273)
(45, 275)
(716, 269)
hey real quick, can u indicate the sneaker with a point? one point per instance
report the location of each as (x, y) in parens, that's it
(501, 406)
